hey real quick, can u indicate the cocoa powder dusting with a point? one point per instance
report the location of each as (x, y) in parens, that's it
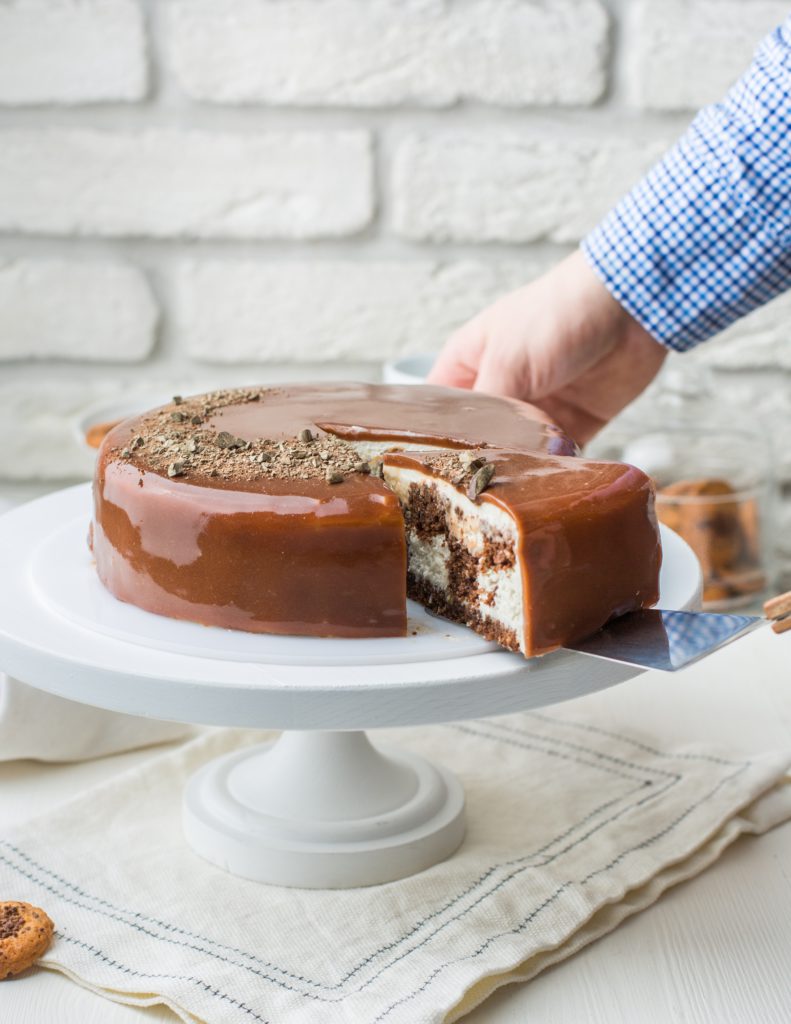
(175, 442)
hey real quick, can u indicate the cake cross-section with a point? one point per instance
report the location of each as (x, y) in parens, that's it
(531, 551)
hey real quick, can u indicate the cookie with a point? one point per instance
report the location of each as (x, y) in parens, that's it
(724, 534)
(25, 935)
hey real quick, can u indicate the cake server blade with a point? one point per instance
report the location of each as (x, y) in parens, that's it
(652, 638)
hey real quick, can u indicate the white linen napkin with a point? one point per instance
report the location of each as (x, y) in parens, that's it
(43, 727)
(577, 818)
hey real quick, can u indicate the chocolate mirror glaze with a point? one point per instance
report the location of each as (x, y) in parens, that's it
(298, 560)
(248, 538)
(449, 417)
(589, 541)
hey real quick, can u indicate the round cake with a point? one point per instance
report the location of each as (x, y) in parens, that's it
(314, 509)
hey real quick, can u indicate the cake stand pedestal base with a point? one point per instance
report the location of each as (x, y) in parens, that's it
(323, 810)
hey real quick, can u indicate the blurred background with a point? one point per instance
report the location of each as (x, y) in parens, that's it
(204, 192)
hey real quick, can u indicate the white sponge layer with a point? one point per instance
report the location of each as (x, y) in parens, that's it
(475, 526)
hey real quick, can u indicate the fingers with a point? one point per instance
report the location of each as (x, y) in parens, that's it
(575, 421)
(457, 364)
(560, 342)
(499, 375)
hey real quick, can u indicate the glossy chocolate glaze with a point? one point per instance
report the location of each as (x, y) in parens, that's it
(449, 417)
(296, 555)
(589, 542)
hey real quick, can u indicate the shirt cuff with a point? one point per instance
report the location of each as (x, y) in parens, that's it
(705, 237)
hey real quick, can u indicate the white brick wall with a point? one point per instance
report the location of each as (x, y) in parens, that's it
(216, 191)
(39, 418)
(75, 311)
(509, 186)
(59, 51)
(185, 184)
(685, 54)
(761, 341)
(370, 53)
(238, 312)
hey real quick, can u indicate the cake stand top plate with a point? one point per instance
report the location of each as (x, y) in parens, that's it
(62, 632)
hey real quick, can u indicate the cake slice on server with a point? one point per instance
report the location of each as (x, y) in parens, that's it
(530, 551)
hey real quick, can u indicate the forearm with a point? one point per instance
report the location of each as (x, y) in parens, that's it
(705, 237)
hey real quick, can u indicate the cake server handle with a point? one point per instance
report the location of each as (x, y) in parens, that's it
(664, 640)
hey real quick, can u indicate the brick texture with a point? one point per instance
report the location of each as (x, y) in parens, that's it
(686, 53)
(48, 447)
(188, 184)
(60, 310)
(368, 53)
(505, 186)
(59, 51)
(234, 311)
(758, 342)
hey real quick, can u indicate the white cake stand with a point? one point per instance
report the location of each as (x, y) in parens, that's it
(321, 807)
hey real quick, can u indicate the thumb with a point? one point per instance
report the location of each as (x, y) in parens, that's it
(457, 364)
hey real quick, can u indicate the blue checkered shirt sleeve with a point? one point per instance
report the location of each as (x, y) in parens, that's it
(705, 237)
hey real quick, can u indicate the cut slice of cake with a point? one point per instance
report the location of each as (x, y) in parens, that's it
(532, 552)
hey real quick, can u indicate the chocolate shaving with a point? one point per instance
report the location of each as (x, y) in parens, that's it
(226, 440)
(480, 481)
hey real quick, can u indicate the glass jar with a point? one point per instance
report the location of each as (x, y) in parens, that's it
(712, 466)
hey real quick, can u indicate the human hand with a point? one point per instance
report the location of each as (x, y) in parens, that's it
(562, 343)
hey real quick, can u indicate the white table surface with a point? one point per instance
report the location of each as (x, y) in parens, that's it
(716, 950)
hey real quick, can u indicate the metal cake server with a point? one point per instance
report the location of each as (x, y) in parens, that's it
(668, 641)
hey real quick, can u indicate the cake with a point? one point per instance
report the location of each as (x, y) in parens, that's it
(549, 550)
(317, 509)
